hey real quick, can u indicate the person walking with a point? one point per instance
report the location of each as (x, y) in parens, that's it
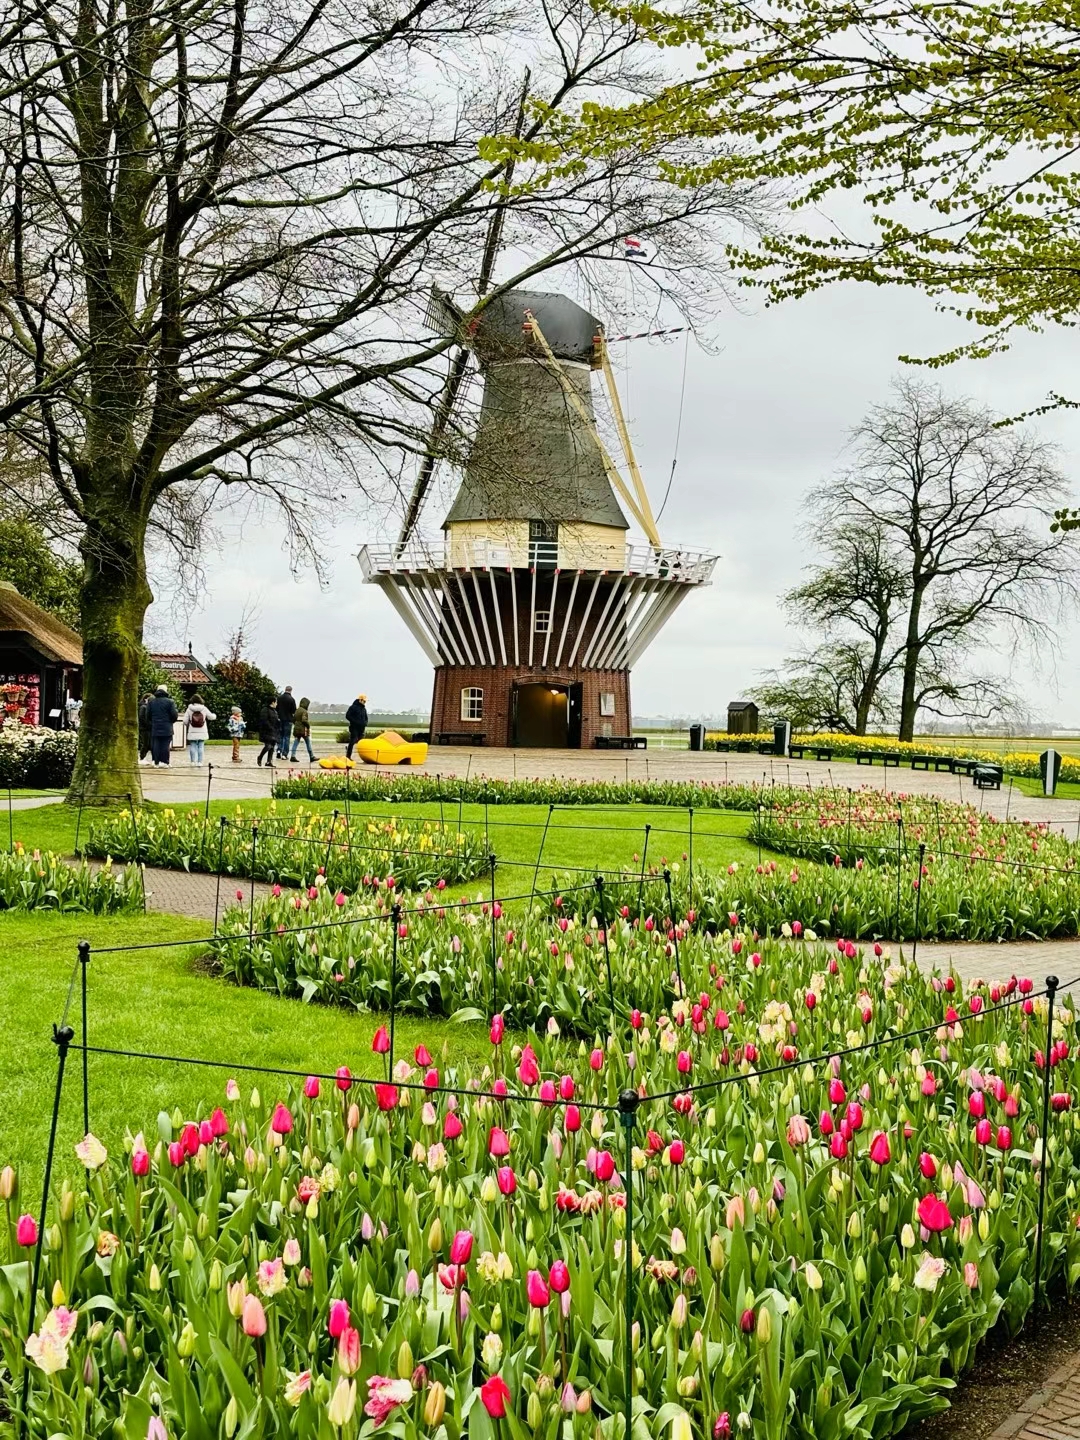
(162, 714)
(302, 730)
(286, 709)
(197, 718)
(356, 719)
(237, 731)
(144, 729)
(269, 733)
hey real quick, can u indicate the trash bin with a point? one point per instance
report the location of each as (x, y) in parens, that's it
(781, 737)
(1049, 769)
(697, 737)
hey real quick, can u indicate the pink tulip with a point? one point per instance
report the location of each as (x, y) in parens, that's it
(798, 1131)
(528, 1070)
(311, 1087)
(811, 999)
(927, 1166)
(253, 1317)
(977, 1105)
(451, 1127)
(837, 1093)
(536, 1289)
(349, 1351)
(825, 1123)
(337, 1318)
(380, 1041)
(461, 1247)
(855, 1115)
(219, 1123)
(26, 1230)
(929, 1085)
(1004, 1138)
(605, 1166)
(498, 1029)
(596, 1060)
(547, 1092)
(343, 1077)
(559, 1277)
(983, 1132)
(934, 1214)
(176, 1153)
(140, 1163)
(566, 1088)
(683, 1062)
(676, 1152)
(281, 1124)
(838, 1147)
(206, 1135)
(498, 1143)
(421, 1057)
(573, 1119)
(721, 1020)
(506, 1179)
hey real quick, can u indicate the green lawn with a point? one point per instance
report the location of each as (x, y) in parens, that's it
(158, 1001)
(577, 836)
(1066, 789)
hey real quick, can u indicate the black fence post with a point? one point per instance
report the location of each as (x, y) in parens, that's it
(1051, 991)
(641, 880)
(674, 932)
(628, 1104)
(220, 863)
(536, 867)
(138, 843)
(607, 952)
(494, 959)
(899, 870)
(760, 810)
(62, 1038)
(251, 906)
(330, 844)
(690, 858)
(84, 962)
(209, 782)
(395, 917)
(10, 824)
(918, 901)
(78, 825)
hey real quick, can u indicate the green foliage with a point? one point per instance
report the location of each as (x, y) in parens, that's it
(238, 682)
(151, 675)
(36, 570)
(35, 881)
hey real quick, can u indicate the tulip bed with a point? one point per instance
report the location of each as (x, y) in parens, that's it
(39, 880)
(293, 849)
(816, 1244)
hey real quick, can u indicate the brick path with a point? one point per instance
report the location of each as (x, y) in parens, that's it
(1052, 1413)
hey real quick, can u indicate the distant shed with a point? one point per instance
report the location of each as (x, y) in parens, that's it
(742, 717)
(40, 661)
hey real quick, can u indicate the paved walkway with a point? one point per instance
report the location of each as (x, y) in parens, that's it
(1052, 1413)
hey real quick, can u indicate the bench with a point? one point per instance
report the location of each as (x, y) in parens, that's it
(964, 767)
(621, 742)
(458, 737)
(820, 752)
(987, 777)
(887, 757)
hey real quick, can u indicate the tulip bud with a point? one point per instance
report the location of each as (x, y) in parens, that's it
(435, 1404)
(984, 1225)
(812, 1275)
(189, 1249)
(216, 1276)
(496, 1318)
(185, 1346)
(489, 1190)
(687, 1386)
(860, 1270)
(854, 1225)
(202, 1226)
(405, 1361)
(678, 1312)
(716, 1253)
(232, 1416)
(534, 1411)
(9, 1184)
(154, 1280)
(368, 1302)
(435, 1236)
(764, 1325)
(59, 1296)
(907, 1237)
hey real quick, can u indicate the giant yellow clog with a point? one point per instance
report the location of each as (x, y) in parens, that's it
(390, 748)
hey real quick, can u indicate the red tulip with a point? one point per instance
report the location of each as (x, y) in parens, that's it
(343, 1078)
(983, 1132)
(380, 1041)
(281, 1124)
(498, 1029)
(219, 1123)
(855, 1115)
(176, 1154)
(934, 1213)
(825, 1123)
(837, 1093)
(1026, 986)
(635, 1019)
(421, 1057)
(677, 1152)
(498, 1086)
(596, 1060)
(1060, 1102)
(746, 1321)
(838, 1147)
(547, 1092)
(26, 1230)
(927, 1165)
(386, 1096)
(811, 999)
(880, 1153)
(461, 1247)
(189, 1139)
(1004, 1138)
(683, 1062)
(559, 1277)
(506, 1179)
(976, 1104)
(495, 1396)
(721, 1020)
(975, 1004)
(311, 1087)
(536, 1288)
(605, 1166)
(431, 1079)
(451, 1127)
(573, 1119)
(566, 1087)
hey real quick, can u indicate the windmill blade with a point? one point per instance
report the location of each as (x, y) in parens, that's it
(445, 318)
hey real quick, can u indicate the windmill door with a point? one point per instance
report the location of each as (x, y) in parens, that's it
(573, 717)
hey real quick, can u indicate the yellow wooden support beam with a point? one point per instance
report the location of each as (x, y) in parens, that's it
(651, 533)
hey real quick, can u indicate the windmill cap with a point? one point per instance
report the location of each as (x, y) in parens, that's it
(500, 333)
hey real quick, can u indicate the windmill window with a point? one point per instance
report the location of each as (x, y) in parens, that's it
(542, 622)
(543, 544)
(472, 703)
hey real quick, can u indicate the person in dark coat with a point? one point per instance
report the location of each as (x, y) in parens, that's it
(286, 709)
(162, 714)
(144, 729)
(356, 719)
(269, 733)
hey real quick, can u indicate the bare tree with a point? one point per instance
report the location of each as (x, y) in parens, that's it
(956, 507)
(220, 223)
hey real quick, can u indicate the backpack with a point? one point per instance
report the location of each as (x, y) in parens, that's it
(197, 721)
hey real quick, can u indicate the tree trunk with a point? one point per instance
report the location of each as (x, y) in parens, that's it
(909, 702)
(113, 602)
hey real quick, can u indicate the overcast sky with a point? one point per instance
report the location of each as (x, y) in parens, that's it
(765, 419)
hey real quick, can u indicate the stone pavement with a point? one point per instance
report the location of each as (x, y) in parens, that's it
(1052, 1413)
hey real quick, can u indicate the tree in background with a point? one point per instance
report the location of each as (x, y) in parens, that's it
(37, 570)
(238, 682)
(220, 225)
(937, 554)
